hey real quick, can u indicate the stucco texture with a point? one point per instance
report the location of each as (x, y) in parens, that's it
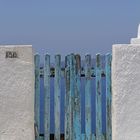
(126, 92)
(17, 94)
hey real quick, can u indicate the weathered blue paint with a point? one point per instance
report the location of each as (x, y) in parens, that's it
(83, 136)
(47, 97)
(73, 72)
(72, 90)
(88, 132)
(37, 95)
(93, 72)
(67, 100)
(57, 91)
(98, 99)
(108, 98)
(76, 109)
(104, 136)
(93, 136)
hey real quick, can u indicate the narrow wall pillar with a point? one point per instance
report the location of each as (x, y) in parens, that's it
(16, 93)
(126, 91)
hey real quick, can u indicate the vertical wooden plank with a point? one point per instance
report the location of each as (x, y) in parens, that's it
(83, 136)
(57, 91)
(103, 136)
(77, 111)
(72, 90)
(108, 98)
(47, 97)
(67, 99)
(88, 132)
(37, 95)
(93, 137)
(98, 99)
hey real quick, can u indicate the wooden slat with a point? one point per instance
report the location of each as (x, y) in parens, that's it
(72, 90)
(93, 137)
(108, 98)
(88, 131)
(77, 111)
(67, 100)
(104, 136)
(47, 97)
(57, 92)
(37, 95)
(83, 136)
(98, 99)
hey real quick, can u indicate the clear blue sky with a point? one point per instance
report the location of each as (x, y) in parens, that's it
(65, 26)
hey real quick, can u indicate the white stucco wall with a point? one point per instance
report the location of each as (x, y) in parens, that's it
(126, 92)
(135, 41)
(17, 94)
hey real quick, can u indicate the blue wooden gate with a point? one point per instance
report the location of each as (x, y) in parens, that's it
(73, 70)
